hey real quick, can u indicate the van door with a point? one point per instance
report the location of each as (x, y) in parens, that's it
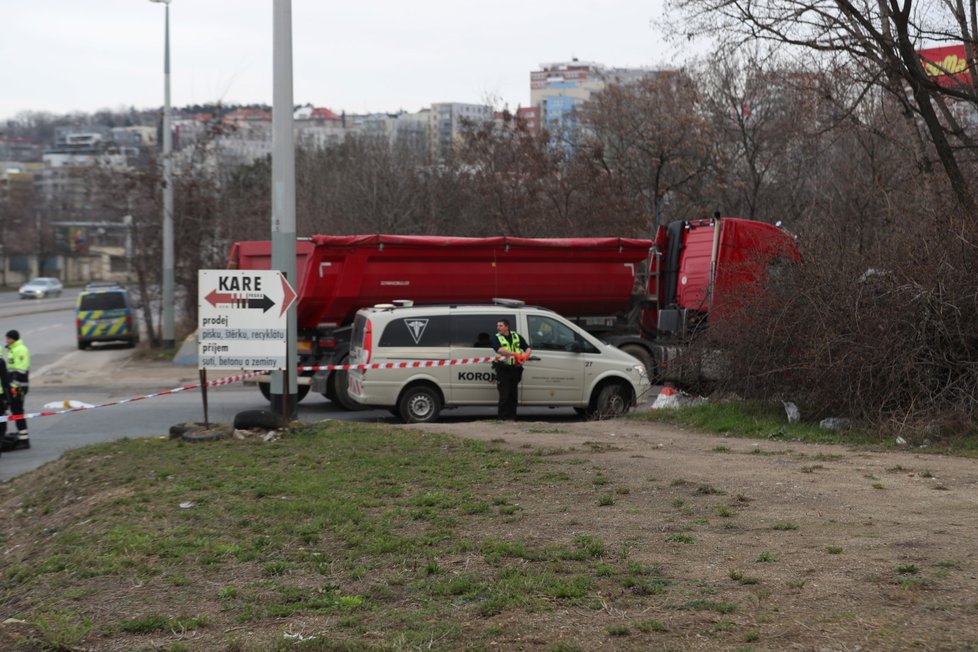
(557, 378)
(474, 336)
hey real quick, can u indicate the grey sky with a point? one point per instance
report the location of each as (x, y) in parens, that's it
(372, 55)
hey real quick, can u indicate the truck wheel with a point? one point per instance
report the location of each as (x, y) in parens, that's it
(612, 402)
(266, 391)
(644, 356)
(419, 404)
(83, 344)
(341, 389)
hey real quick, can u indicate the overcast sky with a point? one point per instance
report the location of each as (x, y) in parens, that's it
(358, 56)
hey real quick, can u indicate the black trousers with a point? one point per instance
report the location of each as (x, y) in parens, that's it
(17, 407)
(508, 383)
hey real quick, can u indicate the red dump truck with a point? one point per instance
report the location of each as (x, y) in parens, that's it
(646, 297)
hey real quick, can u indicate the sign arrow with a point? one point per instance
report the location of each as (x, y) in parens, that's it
(263, 304)
(288, 295)
(216, 297)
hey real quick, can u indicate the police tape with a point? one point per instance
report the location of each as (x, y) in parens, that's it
(416, 364)
(176, 390)
(228, 380)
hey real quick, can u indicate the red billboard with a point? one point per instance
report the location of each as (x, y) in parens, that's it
(948, 66)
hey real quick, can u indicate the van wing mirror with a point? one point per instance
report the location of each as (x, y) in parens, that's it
(576, 347)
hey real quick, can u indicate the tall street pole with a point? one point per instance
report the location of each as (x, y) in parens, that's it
(168, 307)
(283, 389)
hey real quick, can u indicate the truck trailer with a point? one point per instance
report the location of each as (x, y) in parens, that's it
(647, 297)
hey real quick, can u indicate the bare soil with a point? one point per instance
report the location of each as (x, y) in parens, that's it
(815, 547)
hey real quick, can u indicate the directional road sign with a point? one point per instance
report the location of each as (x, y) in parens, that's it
(241, 321)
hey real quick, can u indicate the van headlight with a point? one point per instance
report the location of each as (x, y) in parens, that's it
(640, 370)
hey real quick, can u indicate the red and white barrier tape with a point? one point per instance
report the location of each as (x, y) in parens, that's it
(176, 390)
(250, 374)
(416, 364)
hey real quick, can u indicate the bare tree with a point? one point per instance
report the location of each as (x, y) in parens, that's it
(652, 136)
(876, 42)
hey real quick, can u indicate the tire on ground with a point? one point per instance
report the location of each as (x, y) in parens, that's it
(198, 431)
(259, 419)
(201, 434)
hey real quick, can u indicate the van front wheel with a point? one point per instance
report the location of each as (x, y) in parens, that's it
(419, 404)
(612, 402)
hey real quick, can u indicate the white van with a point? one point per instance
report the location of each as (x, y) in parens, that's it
(568, 368)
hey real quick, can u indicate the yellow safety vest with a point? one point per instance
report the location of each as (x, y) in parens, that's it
(18, 363)
(513, 347)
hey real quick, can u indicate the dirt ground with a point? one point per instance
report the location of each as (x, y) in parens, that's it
(817, 547)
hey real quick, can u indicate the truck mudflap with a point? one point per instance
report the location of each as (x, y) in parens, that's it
(320, 382)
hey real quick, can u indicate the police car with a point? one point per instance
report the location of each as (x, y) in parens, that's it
(106, 315)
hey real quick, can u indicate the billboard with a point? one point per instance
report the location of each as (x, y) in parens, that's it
(948, 66)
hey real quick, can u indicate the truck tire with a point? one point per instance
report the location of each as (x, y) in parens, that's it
(644, 356)
(612, 402)
(340, 380)
(419, 404)
(266, 391)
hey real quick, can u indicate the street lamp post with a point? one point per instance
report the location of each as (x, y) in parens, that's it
(168, 334)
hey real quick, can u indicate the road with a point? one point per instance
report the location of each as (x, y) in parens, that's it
(107, 373)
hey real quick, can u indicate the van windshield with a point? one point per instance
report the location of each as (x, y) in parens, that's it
(103, 301)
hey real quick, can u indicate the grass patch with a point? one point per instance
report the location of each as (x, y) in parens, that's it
(755, 420)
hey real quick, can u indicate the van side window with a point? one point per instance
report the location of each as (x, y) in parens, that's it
(548, 334)
(477, 331)
(420, 331)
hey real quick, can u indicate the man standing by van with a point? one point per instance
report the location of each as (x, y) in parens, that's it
(509, 370)
(19, 366)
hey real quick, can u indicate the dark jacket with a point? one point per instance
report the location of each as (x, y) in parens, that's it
(4, 380)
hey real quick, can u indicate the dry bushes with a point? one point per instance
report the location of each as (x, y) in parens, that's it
(889, 339)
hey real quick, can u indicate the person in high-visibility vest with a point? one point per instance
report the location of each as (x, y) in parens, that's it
(19, 367)
(514, 351)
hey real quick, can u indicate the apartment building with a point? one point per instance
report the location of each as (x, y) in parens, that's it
(446, 121)
(558, 89)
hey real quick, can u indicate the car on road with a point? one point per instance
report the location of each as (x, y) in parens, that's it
(40, 288)
(106, 315)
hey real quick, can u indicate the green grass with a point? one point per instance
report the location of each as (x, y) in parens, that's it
(754, 420)
(760, 420)
(341, 521)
